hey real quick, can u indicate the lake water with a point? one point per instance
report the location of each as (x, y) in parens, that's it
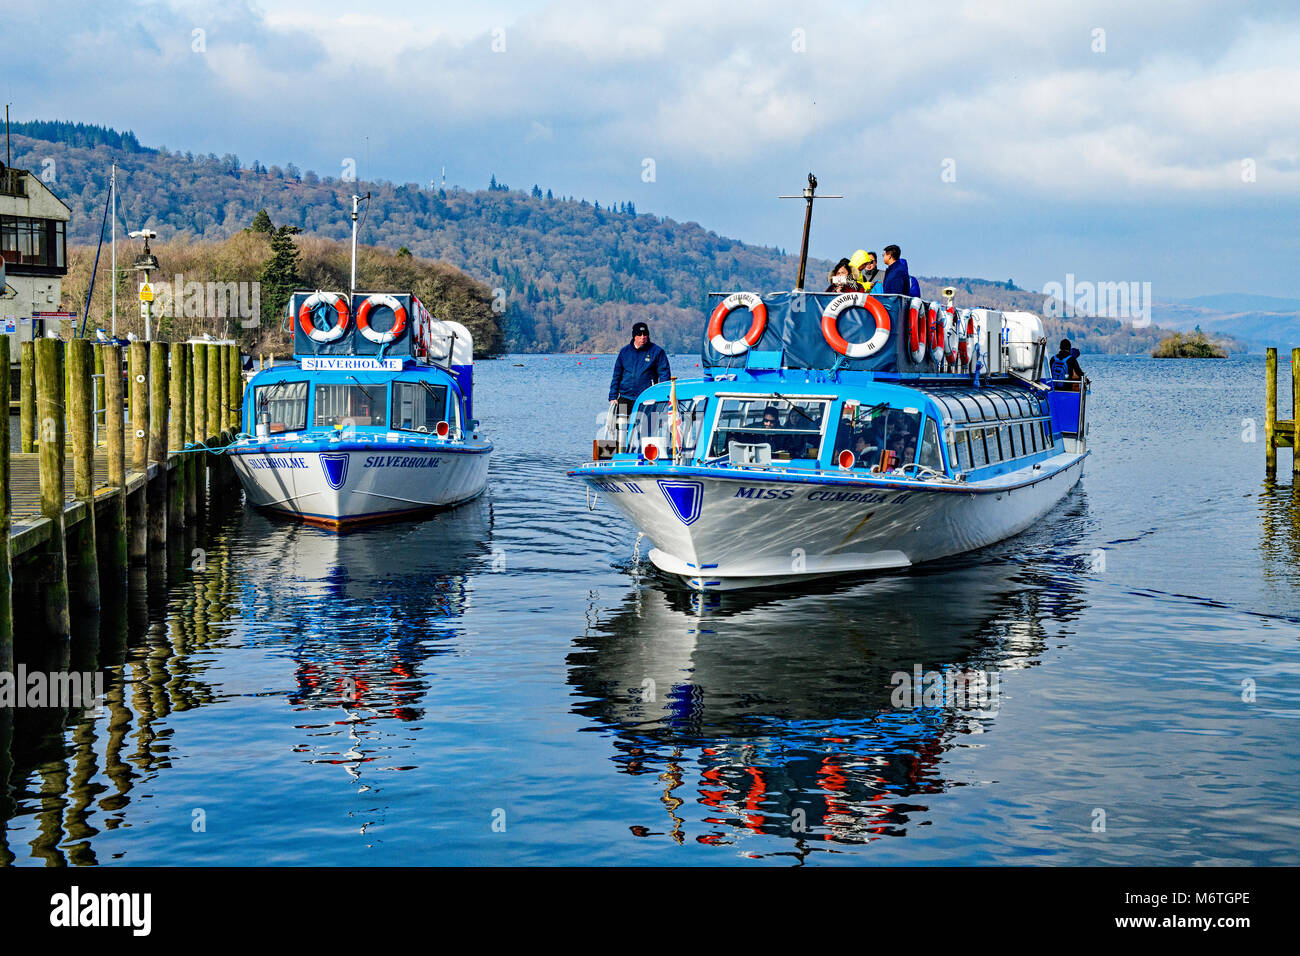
(509, 683)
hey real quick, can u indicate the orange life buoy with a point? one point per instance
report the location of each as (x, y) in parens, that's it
(334, 332)
(859, 300)
(399, 319)
(748, 300)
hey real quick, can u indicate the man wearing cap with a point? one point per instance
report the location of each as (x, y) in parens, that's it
(639, 365)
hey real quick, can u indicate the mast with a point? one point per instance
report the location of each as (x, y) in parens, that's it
(112, 188)
(356, 204)
(807, 195)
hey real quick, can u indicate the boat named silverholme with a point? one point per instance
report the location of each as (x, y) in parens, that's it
(372, 421)
(842, 433)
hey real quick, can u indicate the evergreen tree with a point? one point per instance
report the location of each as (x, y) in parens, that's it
(280, 274)
(492, 183)
(262, 223)
(403, 253)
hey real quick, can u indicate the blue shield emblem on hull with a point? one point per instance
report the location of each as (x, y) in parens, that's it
(684, 497)
(335, 466)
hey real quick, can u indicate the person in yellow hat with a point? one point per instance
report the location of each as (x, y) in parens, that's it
(866, 270)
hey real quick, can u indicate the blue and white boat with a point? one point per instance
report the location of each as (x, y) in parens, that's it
(373, 420)
(843, 433)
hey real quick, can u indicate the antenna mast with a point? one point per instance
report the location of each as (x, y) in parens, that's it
(356, 204)
(808, 196)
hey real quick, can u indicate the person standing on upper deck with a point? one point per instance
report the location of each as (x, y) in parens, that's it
(897, 279)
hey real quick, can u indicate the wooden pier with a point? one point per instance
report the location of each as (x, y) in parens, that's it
(1280, 433)
(107, 468)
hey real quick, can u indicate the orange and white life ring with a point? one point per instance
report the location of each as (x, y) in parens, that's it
(965, 336)
(918, 331)
(308, 326)
(737, 300)
(860, 300)
(939, 323)
(950, 337)
(399, 319)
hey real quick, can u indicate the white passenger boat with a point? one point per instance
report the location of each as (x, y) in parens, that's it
(833, 434)
(372, 421)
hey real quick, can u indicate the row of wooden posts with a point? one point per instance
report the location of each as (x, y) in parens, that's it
(176, 400)
(1281, 433)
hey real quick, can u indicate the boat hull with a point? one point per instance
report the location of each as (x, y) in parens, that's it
(727, 528)
(344, 487)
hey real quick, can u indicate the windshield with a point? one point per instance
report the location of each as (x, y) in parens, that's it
(655, 419)
(357, 405)
(792, 428)
(284, 404)
(880, 437)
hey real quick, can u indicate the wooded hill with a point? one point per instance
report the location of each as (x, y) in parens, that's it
(573, 275)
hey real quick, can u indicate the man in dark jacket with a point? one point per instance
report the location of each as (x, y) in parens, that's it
(638, 366)
(1065, 367)
(897, 279)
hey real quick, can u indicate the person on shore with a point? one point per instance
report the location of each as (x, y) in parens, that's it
(639, 365)
(898, 281)
(842, 278)
(1065, 366)
(870, 275)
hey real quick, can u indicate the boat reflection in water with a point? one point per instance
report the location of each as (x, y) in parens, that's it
(369, 610)
(777, 715)
(360, 615)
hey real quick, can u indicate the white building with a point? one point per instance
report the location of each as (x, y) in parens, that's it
(34, 247)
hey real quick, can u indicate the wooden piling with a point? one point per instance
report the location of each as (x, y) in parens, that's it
(50, 413)
(190, 461)
(212, 428)
(200, 421)
(224, 365)
(236, 390)
(1270, 412)
(138, 364)
(83, 560)
(1295, 418)
(175, 441)
(26, 397)
(100, 418)
(115, 554)
(158, 494)
(6, 567)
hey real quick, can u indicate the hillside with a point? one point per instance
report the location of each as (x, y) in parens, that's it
(573, 274)
(322, 264)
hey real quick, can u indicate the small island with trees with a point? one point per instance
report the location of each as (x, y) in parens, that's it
(1192, 345)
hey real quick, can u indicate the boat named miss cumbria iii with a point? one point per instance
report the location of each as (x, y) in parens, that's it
(843, 433)
(372, 421)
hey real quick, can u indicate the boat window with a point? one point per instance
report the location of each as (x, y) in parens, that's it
(793, 429)
(1015, 441)
(284, 403)
(356, 405)
(870, 431)
(656, 418)
(931, 456)
(418, 406)
(979, 457)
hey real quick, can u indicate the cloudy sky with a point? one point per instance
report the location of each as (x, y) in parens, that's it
(1154, 142)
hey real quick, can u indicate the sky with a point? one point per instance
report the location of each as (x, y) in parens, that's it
(1112, 141)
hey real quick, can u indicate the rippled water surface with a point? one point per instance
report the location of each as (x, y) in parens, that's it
(509, 683)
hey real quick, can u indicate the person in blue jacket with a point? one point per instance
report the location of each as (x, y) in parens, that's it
(898, 281)
(638, 366)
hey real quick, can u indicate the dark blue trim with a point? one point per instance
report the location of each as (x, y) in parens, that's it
(378, 448)
(750, 476)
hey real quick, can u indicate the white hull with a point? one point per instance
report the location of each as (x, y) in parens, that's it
(372, 484)
(751, 529)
